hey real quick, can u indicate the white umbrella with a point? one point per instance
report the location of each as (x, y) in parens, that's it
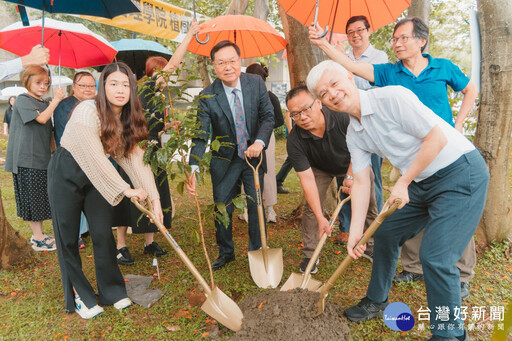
(61, 81)
(12, 91)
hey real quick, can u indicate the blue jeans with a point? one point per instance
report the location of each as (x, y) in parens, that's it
(346, 213)
(447, 206)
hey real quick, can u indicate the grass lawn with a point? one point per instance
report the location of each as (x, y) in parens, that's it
(32, 305)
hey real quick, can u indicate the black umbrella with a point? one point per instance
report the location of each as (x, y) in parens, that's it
(134, 53)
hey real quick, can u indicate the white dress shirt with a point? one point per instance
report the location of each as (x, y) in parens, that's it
(372, 56)
(393, 125)
(10, 68)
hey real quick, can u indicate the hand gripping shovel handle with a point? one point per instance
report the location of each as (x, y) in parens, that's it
(321, 243)
(386, 211)
(174, 244)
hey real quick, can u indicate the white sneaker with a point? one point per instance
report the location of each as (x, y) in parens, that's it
(85, 312)
(271, 215)
(123, 303)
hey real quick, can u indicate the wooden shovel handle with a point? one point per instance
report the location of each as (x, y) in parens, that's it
(384, 213)
(174, 245)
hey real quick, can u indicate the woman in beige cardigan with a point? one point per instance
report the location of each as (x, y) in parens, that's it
(81, 178)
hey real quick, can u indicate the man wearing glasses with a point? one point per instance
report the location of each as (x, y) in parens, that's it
(427, 78)
(240, 113)
(358, 34)
(318, 151)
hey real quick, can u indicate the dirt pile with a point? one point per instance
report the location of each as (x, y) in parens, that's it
(290, 316)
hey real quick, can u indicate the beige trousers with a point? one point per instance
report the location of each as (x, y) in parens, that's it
(269, 180)
(309, 223)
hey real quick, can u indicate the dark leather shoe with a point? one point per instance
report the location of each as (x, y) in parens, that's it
(365, 310)
(282, 190)
(222, 261)
(406, 276)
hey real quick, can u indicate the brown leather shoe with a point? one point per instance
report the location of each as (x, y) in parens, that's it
(342, 238)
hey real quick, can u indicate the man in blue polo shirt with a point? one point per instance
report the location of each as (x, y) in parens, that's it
(442, 188)
(428, 79)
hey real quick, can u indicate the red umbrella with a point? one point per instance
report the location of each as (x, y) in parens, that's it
(71, 45)
(255, 37)
(335, 13)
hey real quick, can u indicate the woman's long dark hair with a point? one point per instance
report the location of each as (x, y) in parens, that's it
(124, 133)
(9, 101)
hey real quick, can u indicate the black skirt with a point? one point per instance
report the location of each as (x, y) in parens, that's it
(30, 190)
(126, 214)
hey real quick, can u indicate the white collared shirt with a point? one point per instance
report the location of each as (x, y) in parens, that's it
(393, 125)
(231, 98)
(372, 56)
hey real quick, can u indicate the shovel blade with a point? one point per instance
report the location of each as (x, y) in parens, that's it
(222, 308)
(266, 273)
(299, 281)
(323, 291)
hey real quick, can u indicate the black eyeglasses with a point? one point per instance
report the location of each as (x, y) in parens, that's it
(296, 115)
(85, 86)
(358, 31)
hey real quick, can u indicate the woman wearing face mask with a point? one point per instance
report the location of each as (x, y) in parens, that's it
(81, 178)
(29, 151)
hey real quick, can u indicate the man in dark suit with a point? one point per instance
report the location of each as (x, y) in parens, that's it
(240, 113)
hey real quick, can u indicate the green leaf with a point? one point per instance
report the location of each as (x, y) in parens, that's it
(180, 187)
(239, 202)
(216, 145)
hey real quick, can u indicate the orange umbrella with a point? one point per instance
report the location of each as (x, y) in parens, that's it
(335, 13)
(255, 37)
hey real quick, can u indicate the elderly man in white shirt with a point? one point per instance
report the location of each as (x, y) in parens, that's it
(443, 187)
(358, 35)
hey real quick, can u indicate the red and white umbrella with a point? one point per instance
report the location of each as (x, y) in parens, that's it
(71, 45)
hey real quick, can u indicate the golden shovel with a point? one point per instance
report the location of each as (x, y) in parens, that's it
(304, 281)
(266, 264)
(324, 290)
(218, 305)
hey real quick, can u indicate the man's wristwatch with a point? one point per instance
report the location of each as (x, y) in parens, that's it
(350, 177)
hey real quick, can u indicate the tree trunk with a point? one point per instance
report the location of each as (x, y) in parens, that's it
(13, 247)
(202, 62)
(302, 55)
(237, 7)
(495, 116)
(420, 9)
(261, 11)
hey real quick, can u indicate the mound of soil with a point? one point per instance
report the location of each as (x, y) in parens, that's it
(290, 316)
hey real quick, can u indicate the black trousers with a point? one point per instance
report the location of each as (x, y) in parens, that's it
(71, 192)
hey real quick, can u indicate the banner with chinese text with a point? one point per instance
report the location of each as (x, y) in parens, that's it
(156, 18)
